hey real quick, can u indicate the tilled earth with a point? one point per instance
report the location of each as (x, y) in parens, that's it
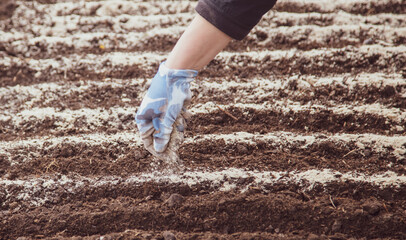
(297, 132)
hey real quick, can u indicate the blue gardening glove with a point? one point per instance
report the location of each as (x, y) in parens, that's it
(164, 101)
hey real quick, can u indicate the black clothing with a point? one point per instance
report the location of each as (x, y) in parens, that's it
(235, 18)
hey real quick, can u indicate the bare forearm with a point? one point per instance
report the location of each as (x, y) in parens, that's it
(198, 45)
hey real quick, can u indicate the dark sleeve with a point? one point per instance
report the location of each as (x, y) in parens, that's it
(235, 18)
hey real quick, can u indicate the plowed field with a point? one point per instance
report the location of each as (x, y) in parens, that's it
(316, 147)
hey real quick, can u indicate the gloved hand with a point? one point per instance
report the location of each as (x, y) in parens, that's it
(168, 93)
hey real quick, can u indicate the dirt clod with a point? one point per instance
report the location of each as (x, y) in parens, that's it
(373, 208)
(168, 235)
(175, 200)
(106, 237)
(7, 8)
(242, 149)
(336, 226)
(313, 236)
(368, 41)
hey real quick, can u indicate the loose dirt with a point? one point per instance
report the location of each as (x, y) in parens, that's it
(316, 147)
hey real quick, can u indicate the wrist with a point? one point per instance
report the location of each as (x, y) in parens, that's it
(166, 69)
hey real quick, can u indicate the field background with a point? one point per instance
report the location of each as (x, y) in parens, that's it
(316, 148)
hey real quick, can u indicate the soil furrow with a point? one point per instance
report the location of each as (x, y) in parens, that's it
(267, 117)
(162, 39)
(388, 90)
(287, 107)
(52, 24)
(355, 7)
(285, 211)
(130, 234)
(57, 25)
(300, 37)
(123, 154)
(314, 37)
(115, 8)
(62, 26)
(317, 62)
(45, 14)
(329, 91)
(58, 122)
(55, 189)
(91, 8)
(323, 62)
(255, 120)
(73, 95)
(277, 19)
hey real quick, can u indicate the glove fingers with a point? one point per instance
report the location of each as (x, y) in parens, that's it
(166, 139)
(148, 120)
(161, 138)
(181, 122)
(146, 134)
(144, 126)
(150, 109)
(173, 117)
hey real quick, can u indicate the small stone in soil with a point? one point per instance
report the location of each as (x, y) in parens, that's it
(336, 226)
(269, 228)
(175, 200)
(338, 236)
(369, 41)
(372, 208)
(358, 212)
(241, 149)
(312, 236)
(367, 153)
(13, 205)
(107, 237)
(218, 119)
(168, 235)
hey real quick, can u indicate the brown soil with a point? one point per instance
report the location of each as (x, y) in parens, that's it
(7, 8)
(227, 213)
(394, 6)
(341, 62)
(122, 159)
(256, 41)
(163, 210)
(250, 120)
